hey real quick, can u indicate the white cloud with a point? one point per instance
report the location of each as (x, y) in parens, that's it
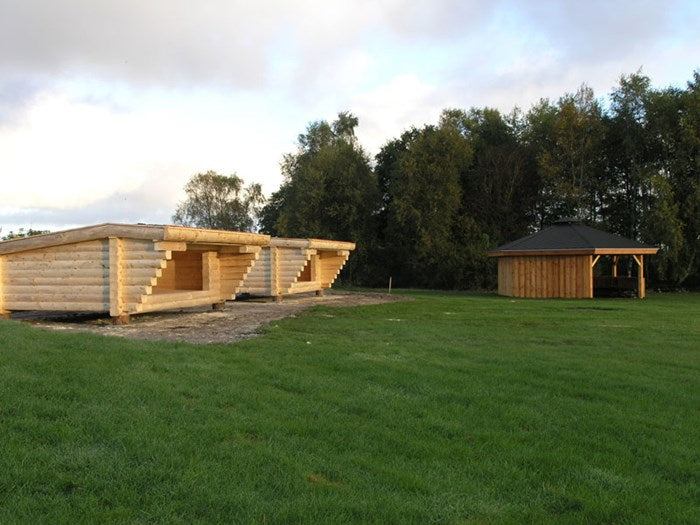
(107, 108)
(388, 110)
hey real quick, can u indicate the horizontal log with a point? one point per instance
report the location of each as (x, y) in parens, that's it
(256, 290)
(80, 235)
(235, 264)
(204, 236)
(305, 286)
(130, 273)
(137, 244)
(54, 289)
(64, 297)
(139, 255)
(256, 282)
(170, 246)
(233, 274)
(162, 297)
(143, 263)
(288, 265)
(58, 306)
(55, 265)
(57, 273)
(59, 256)
(180, 303)
(133, 280)
(224, 249)
(91, 246)
(57, 281)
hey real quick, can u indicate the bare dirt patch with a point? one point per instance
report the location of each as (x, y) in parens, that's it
(240, 319)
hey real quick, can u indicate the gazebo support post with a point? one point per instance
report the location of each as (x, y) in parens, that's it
(641, 285)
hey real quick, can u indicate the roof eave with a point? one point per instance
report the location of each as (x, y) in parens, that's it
(589, 251)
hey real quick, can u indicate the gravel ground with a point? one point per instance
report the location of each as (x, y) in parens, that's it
(240, 319)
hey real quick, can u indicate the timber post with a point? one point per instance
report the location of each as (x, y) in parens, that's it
(116, 303)
(641, 284)
(275, 273)
(316, 272)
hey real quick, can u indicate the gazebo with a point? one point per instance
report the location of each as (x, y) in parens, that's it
(559, 261)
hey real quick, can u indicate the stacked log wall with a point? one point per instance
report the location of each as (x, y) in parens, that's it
(66, 277)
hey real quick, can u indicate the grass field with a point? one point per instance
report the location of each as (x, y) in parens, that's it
(455, 408)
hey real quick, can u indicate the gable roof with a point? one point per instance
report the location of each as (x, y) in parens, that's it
(569, 237)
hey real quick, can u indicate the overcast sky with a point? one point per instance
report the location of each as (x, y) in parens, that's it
(108, 107)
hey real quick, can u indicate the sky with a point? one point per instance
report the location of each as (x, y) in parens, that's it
(108, 107)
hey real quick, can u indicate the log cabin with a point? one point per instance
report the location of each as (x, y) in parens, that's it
(125, 269)
(560, 261)
(291, 266)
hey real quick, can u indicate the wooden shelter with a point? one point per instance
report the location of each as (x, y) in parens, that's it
(125, 269)
(290, 266)
(559, 261)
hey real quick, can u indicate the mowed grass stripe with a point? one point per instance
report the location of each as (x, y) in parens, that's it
(458, 408)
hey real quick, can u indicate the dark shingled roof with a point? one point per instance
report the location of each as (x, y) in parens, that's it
(569, 234)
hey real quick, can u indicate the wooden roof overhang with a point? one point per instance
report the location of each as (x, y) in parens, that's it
(591, 251)
(312, 244)
(154, 232)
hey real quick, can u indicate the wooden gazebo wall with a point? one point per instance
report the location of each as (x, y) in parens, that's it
(555, 275)
(546, 276)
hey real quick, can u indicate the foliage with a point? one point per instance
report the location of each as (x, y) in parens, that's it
(451, 408)
(329, 191)
(424, 225)
(439, 197)
(219, 202)
(22, 233)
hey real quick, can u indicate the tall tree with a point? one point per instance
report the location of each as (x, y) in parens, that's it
(219, 202)
(427, 239)
(628, 161)
(673, 220)
(567, 141)
(329, 191)
(499, 185)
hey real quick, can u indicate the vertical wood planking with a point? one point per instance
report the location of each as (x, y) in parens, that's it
(116, 307)
(589, 276)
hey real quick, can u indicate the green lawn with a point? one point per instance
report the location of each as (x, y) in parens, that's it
(455, 408)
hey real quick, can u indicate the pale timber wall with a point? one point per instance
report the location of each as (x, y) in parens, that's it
(546, 276)
(67, 277)
(283, 270)
(199, 275)
(122, 276)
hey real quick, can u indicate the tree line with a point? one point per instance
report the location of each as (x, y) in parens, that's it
(431, 204)
(433, 201)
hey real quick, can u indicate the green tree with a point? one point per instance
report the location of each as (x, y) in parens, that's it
(499, 186)
(21, 233)
(219, 202)
(629, 166)
(329, 191)
(673, 220)
(567, 142)
(426, 237)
